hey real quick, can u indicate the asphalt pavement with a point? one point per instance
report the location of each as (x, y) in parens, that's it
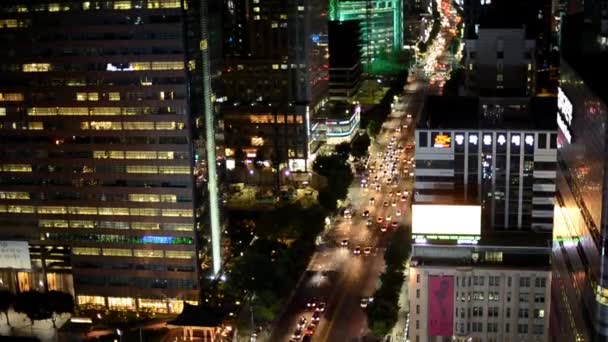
(337, 276)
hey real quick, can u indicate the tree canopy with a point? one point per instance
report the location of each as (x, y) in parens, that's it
(359, 145)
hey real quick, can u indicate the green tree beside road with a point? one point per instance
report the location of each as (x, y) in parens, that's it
(373, 128)
(359, 146)
(383, 312)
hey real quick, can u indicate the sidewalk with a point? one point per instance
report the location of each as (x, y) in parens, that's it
(399, 333)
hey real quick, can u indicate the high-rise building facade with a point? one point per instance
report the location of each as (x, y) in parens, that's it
(381, 25)
(275, 78)
(344, 60)
(579, 261)
(482, 217)
(502, 156)
(500, 62)
(100, 108)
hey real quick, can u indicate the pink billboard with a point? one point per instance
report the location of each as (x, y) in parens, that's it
(441, 306)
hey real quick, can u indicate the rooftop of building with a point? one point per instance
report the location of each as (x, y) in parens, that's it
(504, 14)
(520, 257)
(336, 110)
(579, 51)
(471, 112)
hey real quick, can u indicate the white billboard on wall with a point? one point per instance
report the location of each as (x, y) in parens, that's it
(15, 254)
(446, 219)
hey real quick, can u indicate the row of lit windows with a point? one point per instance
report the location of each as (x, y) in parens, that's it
(120, 239)
(86, 224)
(16, 168)
(154, 198)
(37, 67)
(32, 125)
(174, 306)
(140, 253)
(270, 118)
(14, 195)
(13, 23)
(147, 169)
(144, 66)
(52, 210)
(85, 111)
(93, 5)
(134, 125)
(163, 170)
(133, 154)
(94, 96)
(11, 97)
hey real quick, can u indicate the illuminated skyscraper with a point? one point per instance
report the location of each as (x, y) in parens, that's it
(104, 108)
(581, 216)
(275, 79)
(381, 24)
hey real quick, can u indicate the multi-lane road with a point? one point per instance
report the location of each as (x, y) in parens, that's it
(336, 275)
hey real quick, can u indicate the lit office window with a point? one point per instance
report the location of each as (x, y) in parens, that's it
(121, 303)
(150, 169)
(81, 224)
(82, 210)
(91, 300)
(166, 125)
(164, 4)
(144, 212)
(105, 111)
(53, 223)
(182, 227)
(179, 254)
(11, 97)
(51, 210)
(166, 155)
(114, 211)
(14, 195)
(177, 212)
(140, 154)
(139, 125)
(181, 170)
(35, 126)
(2, 111)
(85, 251)
(117, 252)
(37, 67)
(16, 167)
(122, 5)
(13, 23)
(21, 209)
(145, 225)
(147, 253)
(144, 198)
(114, 96)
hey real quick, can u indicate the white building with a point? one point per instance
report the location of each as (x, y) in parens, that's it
(479, 294)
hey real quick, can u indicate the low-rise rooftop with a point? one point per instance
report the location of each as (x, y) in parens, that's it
(469, 112)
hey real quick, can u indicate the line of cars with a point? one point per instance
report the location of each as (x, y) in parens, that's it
(305, 329)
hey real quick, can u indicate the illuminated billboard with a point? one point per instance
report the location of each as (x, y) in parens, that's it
(441, 306)
(564, 115)
(442, 141)
(15, 255)
(446, 219)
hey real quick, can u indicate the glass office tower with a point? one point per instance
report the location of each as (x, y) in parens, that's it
(381, 24)
(101, 103)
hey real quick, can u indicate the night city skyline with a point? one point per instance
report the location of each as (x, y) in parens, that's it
(303, 170)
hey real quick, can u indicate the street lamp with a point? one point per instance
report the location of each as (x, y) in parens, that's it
(119, 333)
